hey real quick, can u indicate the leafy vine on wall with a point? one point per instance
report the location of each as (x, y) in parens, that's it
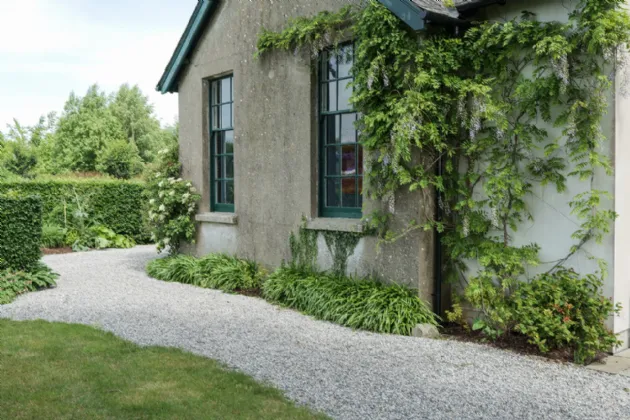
(477, 101)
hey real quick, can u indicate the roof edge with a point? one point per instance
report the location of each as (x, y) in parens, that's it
(188, 41)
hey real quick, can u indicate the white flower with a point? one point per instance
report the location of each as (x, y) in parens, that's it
(152, 201)
(162, 208)
(172, 193)
(161, 194)
(167, 241)
(189, 184)
(161, 184)
(179, 180)
(193, 189)
(157, 175)
(171, 180)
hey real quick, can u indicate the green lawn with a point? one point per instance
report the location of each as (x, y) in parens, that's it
(62, 371)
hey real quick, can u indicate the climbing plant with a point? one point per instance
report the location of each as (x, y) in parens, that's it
(501, 107)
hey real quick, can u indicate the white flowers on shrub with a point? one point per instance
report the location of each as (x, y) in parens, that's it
(172, 206)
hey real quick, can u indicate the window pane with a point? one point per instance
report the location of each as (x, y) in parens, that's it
(348, 160)
(332, 66)
(229, 167)
(345, 91)
(229, 141)
(333, 192)
(333, 129)
(226, 116)
(346, 57)
(226, 90)
(349, 192)
(333, 160)
(218, 143)
(219, 192)
(214, 97)
(229, 192)
(348, 132)
(330, 96)
(218, 167)
(215, 117)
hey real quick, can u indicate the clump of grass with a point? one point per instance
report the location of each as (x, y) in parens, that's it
(361, 304)
(216, 271)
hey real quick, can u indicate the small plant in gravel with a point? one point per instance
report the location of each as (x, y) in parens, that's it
(361, 304)
(216, 271)
(14, 282)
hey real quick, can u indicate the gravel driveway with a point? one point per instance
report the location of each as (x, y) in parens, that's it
(347, 374)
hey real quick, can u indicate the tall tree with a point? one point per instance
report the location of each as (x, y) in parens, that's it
(135, 113)
(86, 126)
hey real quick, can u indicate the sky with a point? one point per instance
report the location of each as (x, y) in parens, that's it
(49, 48)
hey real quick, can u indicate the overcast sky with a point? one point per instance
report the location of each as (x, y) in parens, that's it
(49, 48)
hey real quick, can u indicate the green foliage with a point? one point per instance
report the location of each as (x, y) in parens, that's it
(362, 304)
(119, 159)
(20, 231)
(99, 237)
(66, 202)
(319, 32)
(477, 104)
(18, 158)
(15, 282)
(53, 236)
(172, 203)
(564, 310)
(341, 245)
(216, 271)
(304, 249)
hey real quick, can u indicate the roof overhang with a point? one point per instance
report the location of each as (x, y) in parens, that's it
(200, 17)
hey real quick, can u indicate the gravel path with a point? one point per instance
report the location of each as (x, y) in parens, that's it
(347, 374)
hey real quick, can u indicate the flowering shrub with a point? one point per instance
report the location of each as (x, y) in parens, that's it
(172, 203)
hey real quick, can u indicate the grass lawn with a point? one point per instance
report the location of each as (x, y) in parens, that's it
(62, 371)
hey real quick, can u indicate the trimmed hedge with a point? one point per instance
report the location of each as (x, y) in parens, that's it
(20, 232)
(356, 303)
(119, 205)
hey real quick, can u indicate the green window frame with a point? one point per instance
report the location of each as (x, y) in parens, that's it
(221, 93)
(340, 153)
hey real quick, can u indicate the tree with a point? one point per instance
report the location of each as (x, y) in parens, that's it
(119, 159)
(135, 114)
(86, 126)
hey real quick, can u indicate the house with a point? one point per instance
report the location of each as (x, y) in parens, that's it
(271, 143)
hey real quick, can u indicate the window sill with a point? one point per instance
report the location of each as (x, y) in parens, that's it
(219, 218)
(336, 225)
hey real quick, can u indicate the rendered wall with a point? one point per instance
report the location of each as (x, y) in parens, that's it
(276, 147)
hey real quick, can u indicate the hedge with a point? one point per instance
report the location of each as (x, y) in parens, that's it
(116, 204)
(20, 231)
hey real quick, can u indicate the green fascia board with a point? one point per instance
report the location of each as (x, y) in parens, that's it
(408, 12)
(188, 41)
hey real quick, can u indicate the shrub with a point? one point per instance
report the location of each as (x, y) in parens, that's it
(20, 231)
(119, 159)
(100, 237)
(172, 203)
(14, 283)
(564, 310)
(119, 205)
(361, 304)
(216, 271)
(53, 236)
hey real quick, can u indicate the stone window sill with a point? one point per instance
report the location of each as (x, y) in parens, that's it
(336, 225)
(219, 218)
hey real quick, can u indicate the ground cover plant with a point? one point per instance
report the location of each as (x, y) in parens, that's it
(356, 303)
(215, 271)
(17, 282)
(72, 371)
